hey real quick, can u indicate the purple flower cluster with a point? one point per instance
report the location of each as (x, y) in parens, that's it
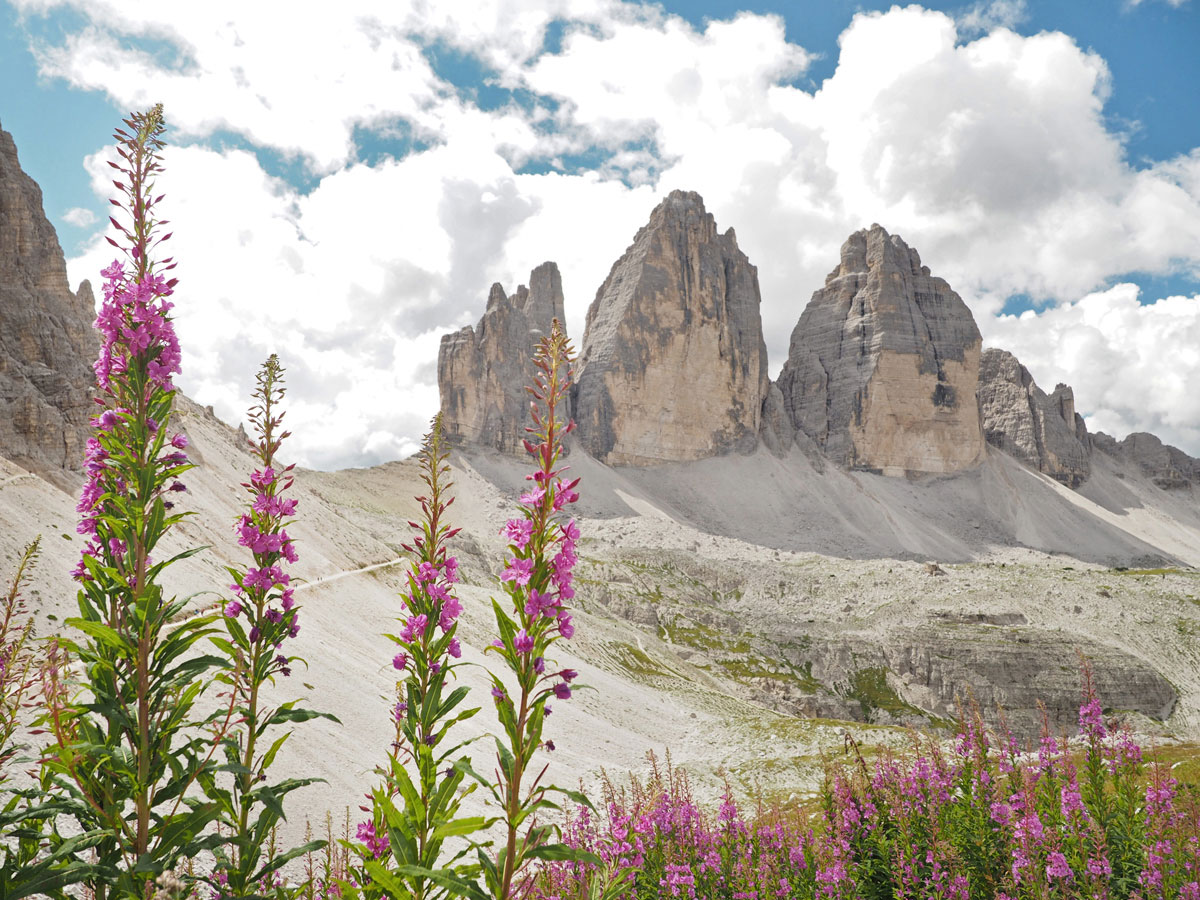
(134, 324)
(139, 354)
(375, 843)
(263, 592)
(1070, 821)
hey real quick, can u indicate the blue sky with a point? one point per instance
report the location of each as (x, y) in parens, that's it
(347, 189)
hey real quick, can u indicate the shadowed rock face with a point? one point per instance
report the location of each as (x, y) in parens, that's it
(934, 669)
(1044, 432)
(1169, 467)
(884, 363)
(46, 341)
(483, 371)
(673, 365)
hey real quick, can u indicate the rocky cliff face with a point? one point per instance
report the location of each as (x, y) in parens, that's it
(482, 371)
(673, 365)
(1043, 431)
(1169, 467)
(883, 365)
(46, 340)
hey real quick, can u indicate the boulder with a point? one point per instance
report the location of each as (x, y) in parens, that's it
(883, 365)
(673, 365)
(1042, 431)
(47, 344)
(483, 371)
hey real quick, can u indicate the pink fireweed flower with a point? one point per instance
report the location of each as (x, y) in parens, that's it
(414, 628)
(570, 533)
(541, 604)
(519, 571)
(451, 609)
(523, 643)
(564, 494)
(565, 626)
(533, 497)
(1091, 719)
(376, 844)
(262, 479)
(1057, 866)
(400, 662)
(518, 532)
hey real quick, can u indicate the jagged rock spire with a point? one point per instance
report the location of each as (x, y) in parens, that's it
(884, 363)
(673, 365)
(47, 344)
(483, 371)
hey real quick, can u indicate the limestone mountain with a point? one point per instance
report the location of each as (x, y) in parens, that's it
(46, 340)
(1168, 467)
(884, 363)
(482, 371)
(673, 365)
(1043, 431)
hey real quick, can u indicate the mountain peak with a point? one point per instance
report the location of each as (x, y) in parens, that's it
(884, 363)
(673, 365)
(46, 340)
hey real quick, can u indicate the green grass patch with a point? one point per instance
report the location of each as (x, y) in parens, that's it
(871, 689)
(637, 662)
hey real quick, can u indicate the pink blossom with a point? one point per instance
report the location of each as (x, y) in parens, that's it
(523, 643)
(533, 496)
(519, 571)
(518, 532)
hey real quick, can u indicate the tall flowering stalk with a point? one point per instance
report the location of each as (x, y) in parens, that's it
(261, 616)
(402, 846)
(18, 662)
(538, 581)
(34, 859)
(126, 747)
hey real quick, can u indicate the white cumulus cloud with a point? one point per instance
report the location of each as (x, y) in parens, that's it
(985, 149)
(1133, 366)
(79, 216)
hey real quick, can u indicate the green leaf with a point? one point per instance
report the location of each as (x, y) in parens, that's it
(299, 715)
(283, 858)
(577, 796)
(557, 852)
(105, 635)
(389, 882)
(456, 885)
(457, 827)
(269, 757)
(270, 800)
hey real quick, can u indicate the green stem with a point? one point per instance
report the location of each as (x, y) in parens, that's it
(248, 758)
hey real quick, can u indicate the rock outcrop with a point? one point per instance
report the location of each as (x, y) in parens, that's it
(1042, 431)
(1168, 467)
(46, 341)
(883, 365)
(482, 371)
(673, 365)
